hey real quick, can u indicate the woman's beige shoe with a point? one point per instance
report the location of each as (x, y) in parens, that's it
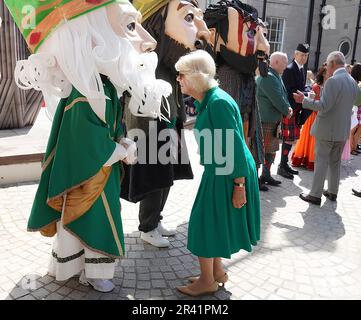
(221, 280)
(194, 293)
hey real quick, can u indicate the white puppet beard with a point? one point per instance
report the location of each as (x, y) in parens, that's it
(135, 72)
(82, 49)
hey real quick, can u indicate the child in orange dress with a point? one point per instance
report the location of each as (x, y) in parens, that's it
(304, 153)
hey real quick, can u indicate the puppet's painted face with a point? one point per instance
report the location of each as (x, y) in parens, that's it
(185, 24)
(244, 38)
(126, 22)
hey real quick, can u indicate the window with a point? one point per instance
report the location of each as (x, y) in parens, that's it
(345, 47)
(276, 28)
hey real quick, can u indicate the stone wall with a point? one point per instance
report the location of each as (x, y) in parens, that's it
(18, 108)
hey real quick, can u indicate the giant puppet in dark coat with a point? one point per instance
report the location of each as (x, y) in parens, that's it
(240, 47)
(179, 28)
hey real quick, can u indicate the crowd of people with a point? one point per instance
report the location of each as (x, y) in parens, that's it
(117, 71)
(318, 116)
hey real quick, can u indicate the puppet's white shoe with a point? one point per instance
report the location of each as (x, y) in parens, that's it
(102, 285)
(155, 239)
(165, 232)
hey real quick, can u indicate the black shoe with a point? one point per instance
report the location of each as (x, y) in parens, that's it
(289, 169)
(284, 173)
(356, 192)
(262, 186)
(310, 199)
(269, 180)
(330, 196)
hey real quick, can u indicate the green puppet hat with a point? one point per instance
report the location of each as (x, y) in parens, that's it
(36, 19)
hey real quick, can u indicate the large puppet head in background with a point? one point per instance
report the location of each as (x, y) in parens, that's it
(74, 42)
(177, 25)
(236, 31)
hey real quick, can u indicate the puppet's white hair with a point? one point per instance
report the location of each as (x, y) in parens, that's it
(78, 52)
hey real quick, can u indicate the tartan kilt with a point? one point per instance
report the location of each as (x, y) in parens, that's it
(271, 142)
(290, 129)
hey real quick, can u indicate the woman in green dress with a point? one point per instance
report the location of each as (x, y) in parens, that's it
(226, 213)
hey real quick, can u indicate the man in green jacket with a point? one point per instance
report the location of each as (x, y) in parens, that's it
(273, 104)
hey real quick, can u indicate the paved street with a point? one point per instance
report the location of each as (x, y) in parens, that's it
(305, 252)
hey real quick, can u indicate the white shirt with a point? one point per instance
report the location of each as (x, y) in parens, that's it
(299, 65)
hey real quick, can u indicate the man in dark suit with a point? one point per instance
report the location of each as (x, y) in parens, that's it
(294, 79)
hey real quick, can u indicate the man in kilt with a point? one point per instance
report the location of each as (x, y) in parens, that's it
(273, 104)
(294, 78)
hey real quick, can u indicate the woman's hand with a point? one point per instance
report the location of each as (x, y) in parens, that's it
(239, 197)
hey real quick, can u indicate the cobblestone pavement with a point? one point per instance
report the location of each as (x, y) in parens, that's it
(305, 252)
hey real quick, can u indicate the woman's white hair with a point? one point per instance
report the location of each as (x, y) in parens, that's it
(200, 69)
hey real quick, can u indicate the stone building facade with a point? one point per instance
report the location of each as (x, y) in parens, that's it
(288, 20)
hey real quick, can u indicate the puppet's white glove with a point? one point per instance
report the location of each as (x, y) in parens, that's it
(120, 153)
(131, 149)
(125, 150)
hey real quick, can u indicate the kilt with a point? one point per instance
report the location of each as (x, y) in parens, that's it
(271, 142)
(290, 129)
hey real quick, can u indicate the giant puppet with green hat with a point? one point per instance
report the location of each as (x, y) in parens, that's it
(84, 59)
(179, 28)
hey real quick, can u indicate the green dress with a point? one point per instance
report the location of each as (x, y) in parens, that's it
(216, 228)
(79, 145)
